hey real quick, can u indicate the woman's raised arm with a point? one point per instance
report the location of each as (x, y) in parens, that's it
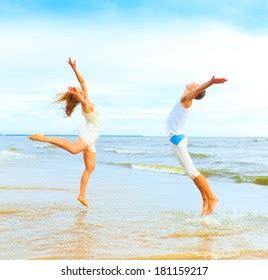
(79, 77)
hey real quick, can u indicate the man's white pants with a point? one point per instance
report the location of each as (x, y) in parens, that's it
(184, 158)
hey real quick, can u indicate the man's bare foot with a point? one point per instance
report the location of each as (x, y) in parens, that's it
(37, 137)
(82, 200)
(211, 205)
(204, 208)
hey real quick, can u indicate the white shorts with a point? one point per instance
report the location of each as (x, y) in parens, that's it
(184, 158)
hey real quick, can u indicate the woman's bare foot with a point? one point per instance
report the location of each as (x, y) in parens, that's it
(37, 137)
(82, 200)
(211, 205)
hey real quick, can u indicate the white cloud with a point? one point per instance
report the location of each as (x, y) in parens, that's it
(136, 73)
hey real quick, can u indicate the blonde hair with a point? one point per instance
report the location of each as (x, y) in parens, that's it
(70, 102)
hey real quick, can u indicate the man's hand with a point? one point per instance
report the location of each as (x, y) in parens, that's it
(218, 80)
(72, 63)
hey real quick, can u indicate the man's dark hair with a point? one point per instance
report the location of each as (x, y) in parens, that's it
(200, 95)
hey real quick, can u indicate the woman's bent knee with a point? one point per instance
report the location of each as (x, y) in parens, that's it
(74, 151)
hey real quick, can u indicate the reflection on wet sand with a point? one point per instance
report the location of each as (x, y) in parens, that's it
(78, 241)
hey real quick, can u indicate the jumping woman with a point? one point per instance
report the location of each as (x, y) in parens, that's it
(174, 127)
(88, 134)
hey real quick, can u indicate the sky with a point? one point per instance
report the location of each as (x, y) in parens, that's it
(137, 56)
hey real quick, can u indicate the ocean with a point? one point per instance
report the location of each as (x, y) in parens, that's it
(142, 205)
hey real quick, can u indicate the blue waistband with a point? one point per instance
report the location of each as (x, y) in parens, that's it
(176, 139)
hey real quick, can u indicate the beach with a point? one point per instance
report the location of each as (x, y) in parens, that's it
(142, 205)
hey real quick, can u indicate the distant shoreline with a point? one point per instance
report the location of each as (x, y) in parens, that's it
(122, 135)
(113, 135)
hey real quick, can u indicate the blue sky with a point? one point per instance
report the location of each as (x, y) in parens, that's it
(244, 13)
(137, 57)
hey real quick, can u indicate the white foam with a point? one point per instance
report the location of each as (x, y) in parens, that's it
(7, 153)
(122, 151)
(210, 222)
(41, 146)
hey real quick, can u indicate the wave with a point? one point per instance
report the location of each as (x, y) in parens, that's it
(162, 168)
(217, 173)
(199, 155)
(6, 188)
(136, 152)
(151, 167)
(159, 168)
(260, 139)
(12, 149)
(44, 146)
(122, 151)
(14, 152)
(258, 180)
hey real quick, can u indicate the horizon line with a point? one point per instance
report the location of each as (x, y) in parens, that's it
(131, 135)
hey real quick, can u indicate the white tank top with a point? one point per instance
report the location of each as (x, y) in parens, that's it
(176, 119)
(93, 118)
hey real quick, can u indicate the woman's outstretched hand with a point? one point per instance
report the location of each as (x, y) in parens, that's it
(72, 63)
(73, 91)
(218, 80)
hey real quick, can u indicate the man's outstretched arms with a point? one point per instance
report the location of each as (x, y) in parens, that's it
(192, 94)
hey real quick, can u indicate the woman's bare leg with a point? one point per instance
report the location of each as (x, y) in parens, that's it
(90, 163)
(202, 184)
(67, 145)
